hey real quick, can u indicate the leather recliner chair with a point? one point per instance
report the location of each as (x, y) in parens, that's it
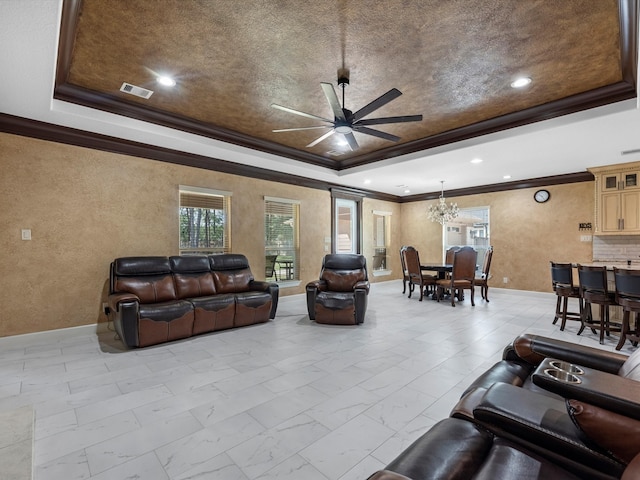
(339, 296)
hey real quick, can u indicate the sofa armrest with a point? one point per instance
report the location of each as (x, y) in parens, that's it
(362, 285)
(534, 349)
(312, 290)
(605, 390)
(540, 423)
(272, 288)
(116, 299)
(387, 475)
(123, 312)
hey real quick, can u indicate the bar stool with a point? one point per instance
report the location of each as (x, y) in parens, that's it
(628, 296)
(562, 282)
(593, 289)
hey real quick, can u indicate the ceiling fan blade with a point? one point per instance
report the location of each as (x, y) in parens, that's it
(351, 140)
(376, 133)
(377, 103)
(299, 128)
(318, 140)
(378, 121)
(332, 98)
(302, 114)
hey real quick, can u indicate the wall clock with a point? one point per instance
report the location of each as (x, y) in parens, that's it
(541, 196)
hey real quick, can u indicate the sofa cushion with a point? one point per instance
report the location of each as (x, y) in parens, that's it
(213, 313)
(231, 273)
(252, 307)
(162, 322)
(192, 276)
(149, 278)
(616, 433)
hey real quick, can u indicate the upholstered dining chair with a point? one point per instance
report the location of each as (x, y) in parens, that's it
(405, 272)
(564, 288)
(448, 256)
(416, 276)
(594, 290)
(339, 296)
(628, 297)
(483, 278)
(462, 277)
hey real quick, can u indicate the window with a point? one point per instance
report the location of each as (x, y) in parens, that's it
(381, 231)
(347, 215)
(470, 227)
(281, 236)
(204, 221)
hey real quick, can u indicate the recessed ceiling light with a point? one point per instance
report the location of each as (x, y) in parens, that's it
(407, 191)
(476, 160)
(506, 177)
(521, 82)
(367, 181)
(166, 81)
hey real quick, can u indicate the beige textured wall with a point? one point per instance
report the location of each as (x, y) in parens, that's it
(87, 207)
(525, 235)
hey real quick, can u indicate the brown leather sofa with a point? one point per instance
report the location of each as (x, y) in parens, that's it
(455, 449)
(159, 299)
(515, 421)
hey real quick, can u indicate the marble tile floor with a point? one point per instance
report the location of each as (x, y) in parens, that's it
(286, 400)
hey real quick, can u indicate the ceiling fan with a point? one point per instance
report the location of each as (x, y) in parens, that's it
(345, 121)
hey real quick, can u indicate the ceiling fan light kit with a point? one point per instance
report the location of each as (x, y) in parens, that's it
(346, 122)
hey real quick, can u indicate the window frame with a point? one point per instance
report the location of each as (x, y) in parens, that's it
(290, 268)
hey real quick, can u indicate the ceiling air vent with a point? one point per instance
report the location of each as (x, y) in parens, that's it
(629, 152)
(137, 91)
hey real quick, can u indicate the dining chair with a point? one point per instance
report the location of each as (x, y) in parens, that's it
(628, 297)
(416, 276)
(564, 288)
(463, 276)
(482, 280)
(448, 256)
(405, 273)
(594, 290)
(270, 267)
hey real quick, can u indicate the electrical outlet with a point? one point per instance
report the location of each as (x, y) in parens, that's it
(505, 279)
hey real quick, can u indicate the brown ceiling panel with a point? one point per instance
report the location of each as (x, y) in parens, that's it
(453, 64)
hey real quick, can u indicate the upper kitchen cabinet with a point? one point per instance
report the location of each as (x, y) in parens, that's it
(617, 199)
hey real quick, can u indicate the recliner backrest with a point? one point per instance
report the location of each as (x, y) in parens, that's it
(149, 278)
(192, 275)
(230, 272)
(342, 271)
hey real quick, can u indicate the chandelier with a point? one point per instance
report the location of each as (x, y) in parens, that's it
(441, 212)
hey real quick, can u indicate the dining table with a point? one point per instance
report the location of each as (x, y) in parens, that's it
(440, 268)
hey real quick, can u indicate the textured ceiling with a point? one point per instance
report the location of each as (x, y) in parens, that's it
(453, 64)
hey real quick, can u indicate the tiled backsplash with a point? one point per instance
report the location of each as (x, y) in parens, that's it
(616, 248)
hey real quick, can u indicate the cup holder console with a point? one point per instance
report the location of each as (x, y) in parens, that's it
(562, 375)
(566, 367)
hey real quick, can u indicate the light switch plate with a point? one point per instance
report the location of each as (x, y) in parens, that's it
(26, 234)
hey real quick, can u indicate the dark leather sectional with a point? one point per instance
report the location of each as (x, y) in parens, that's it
(159, 299)
(518, 420)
